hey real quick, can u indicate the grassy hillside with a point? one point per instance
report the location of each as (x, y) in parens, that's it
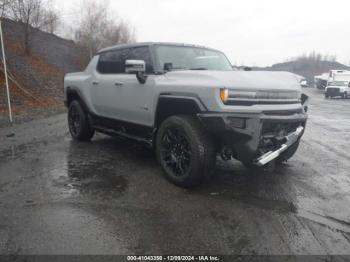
(38, 77)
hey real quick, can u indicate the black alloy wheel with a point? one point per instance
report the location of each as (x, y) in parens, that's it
(185, 150)
(78, 122)
(74, 121)
(176, 151)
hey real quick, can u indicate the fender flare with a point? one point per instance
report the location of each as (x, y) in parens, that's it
(167, 106)
(74, 94)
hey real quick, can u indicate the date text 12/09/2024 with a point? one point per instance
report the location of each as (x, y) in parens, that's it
(173, 258)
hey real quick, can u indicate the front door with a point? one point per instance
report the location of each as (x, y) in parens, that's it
(120, 96)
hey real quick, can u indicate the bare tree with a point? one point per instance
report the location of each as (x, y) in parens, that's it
(4, 4)
(34, 14)
(51, 21)
(97, 28)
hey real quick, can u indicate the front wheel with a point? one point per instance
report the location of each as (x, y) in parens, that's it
(185, 151)
(78, 122)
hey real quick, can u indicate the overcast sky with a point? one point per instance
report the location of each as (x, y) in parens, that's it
(250, 32)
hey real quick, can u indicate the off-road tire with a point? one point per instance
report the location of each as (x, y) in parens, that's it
(78, 122)
(199, 143)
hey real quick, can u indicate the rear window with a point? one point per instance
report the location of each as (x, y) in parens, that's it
(112, 62)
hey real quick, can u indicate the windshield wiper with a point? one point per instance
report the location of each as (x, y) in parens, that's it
(199, 68)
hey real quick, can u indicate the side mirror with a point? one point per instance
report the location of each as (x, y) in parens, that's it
(168, 67)
(137, 67)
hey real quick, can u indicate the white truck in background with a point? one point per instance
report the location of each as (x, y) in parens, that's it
(333, 74)
(321, 81)
(338, 84)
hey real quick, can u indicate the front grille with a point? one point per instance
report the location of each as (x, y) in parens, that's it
(249, 98)
(237, 102)
(283, 112)
(333, 91)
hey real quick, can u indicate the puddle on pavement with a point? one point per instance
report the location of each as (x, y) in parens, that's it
(263, 190)
(17, 151)
(98, 179)
(86, 172)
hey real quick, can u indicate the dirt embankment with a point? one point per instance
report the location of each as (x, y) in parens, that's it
(36, 80)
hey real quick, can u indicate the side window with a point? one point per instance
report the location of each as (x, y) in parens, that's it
(112, 62)
(142, 53)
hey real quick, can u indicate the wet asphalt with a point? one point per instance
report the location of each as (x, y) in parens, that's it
(58, 196)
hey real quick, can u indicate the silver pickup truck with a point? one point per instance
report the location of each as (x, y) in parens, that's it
(189, 105)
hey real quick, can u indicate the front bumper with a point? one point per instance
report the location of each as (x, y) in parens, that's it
(251, 136)
(290, 140)
(334, 91)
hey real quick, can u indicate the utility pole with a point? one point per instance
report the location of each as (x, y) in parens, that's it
(5, 72)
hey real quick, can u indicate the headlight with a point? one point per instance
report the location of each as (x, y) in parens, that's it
(224, 93)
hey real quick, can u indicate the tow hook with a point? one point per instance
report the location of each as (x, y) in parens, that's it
(272, 155)
(226, 154)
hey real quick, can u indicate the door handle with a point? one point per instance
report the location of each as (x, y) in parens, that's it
(118, 83)
(95, 83)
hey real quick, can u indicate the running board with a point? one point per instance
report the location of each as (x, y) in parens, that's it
(112, 132)
(272, 155)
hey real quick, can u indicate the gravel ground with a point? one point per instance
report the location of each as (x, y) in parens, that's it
(58, 196)
(29, 115)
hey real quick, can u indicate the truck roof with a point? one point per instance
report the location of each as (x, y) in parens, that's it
(151, 44)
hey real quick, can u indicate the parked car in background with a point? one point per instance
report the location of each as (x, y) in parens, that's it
(321, 81)
(304, 83)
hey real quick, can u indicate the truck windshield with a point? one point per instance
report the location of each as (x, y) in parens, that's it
(338, 83)
(191, 58)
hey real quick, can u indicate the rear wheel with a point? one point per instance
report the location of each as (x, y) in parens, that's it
(185, 151)
(78, 122)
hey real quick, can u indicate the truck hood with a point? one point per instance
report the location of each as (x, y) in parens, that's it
(253, 80)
